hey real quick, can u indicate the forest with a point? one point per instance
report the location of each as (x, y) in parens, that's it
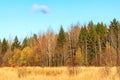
(83, 45)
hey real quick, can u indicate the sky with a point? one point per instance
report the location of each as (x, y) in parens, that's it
(26, 17)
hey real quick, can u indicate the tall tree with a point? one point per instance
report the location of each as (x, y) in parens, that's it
(15, 59)
(108, 56)
(43, 49)
(101, 30)
(83, 42)
(7, 56)
(72, 40)
(24, 43)
(4, 46)
(74, 34)
(61, 37)
(115, 40)
(26, 58)
(60, 45)
(16, 44)
(92, 42)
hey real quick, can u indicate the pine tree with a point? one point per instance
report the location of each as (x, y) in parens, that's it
(4, 46)
(83, 39)
(61, 37)
(73, 43)
(24, 43)
(60, 46)
(16, 44)
(115, 40)
(101, 30)
(92, 42)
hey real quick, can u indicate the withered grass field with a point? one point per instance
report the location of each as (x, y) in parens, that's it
(59, 73)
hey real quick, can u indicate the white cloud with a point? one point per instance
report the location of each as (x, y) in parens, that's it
(42, 8)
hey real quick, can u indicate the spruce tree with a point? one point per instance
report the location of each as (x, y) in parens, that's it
(4, 46)
(61, 37)
(115, 40)
(92, 42)
(83, 39)
(24, 43)
(16, 44)
(101, 30)
(60, 46)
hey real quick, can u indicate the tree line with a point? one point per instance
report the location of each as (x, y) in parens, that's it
(87, 45)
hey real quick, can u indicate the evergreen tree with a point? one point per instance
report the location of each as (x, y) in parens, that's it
(92, 42)
(83, 39)
(24, 43)
(16, 44)
(61, 37)
(101, 30)
(4, 46)
(115, 40)
(60, 46)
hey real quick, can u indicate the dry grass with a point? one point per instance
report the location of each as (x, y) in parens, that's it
(58, 73)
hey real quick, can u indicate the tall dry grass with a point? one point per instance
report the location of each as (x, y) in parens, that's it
(59, 73)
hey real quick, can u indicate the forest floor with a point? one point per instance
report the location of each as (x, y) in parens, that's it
(59, 73)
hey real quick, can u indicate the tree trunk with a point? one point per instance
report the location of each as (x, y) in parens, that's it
(86, 61)
(117, 48)
(99, 44)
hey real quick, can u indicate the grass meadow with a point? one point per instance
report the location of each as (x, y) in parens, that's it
(59, 73)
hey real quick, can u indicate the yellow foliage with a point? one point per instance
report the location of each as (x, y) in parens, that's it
(16, 56)
(26, 52)
(109, 48)
(107, 45)
(108, 56)
(79, 56)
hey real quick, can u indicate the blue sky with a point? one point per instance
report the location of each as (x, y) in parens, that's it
(25, 17)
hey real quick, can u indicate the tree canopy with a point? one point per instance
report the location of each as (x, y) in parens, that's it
(82, 45)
